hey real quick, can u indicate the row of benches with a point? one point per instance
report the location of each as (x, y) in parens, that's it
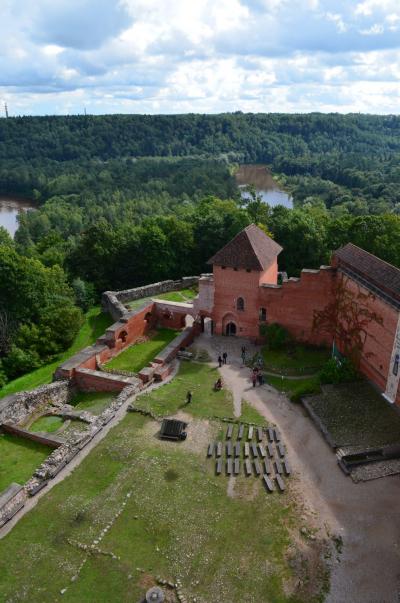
(257, 450)
(232, 467)
(273, 433)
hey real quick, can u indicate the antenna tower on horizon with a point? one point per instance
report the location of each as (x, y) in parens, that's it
(6, 109)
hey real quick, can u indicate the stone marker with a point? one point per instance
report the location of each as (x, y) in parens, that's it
(155, 595)
(280, 482)
(240, 432)
(218, 467)
(247, 467)
(277, 434)
(229, 467)
(268, 483)
(210, 450)
(236, 466)
(253, 447)
(229, 449)
(281, 449)
(278, 466)
(219, 449)
(270, 449)
(259, 434)
(246, 449)
(267, 467)
(250, 432)
(261, 451)
(237, 448)
(286, 466)
(229, 431)
(270, 434)
(257, 467)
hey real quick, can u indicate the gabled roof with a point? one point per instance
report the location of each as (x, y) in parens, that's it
(382, 277)
(251, 248)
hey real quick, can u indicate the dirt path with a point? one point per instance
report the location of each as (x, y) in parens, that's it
(365, 515)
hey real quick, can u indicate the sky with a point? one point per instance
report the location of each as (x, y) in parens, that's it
(202, 56)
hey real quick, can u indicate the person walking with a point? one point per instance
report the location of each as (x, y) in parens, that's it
(219, 361)
(254, 378)
(244, 354)
(224, 357)
(260, 378)
(189, 397)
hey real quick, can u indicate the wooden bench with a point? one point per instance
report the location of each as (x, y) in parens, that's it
(236, 449)
(250, 432)
(257, 467)
(219, 449)
(229, 449)
(259, 434)
(229, 431)
(246, 449)
(261, 451)
(229, 467)
(210, 449)
(278, 467)
(253, 447)
(286, 466)
(267, 467)
(268, 483)
(281, 449)
(236, 466)
(240, 432)
(218, 467)
(277, 434)
(270, 450)
(247, 467)
(280, 482)
(270, 434)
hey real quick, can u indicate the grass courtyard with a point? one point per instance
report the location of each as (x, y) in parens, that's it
(183, 295)
(48, 424)
(295, 359)
(18, 459)
(94, 402)
(139, 355)
(164, 513)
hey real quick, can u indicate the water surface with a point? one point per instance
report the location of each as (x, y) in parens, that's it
(10, 207)
(260, 177)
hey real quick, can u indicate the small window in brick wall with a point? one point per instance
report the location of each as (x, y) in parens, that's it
(263, 314)
(240, 303)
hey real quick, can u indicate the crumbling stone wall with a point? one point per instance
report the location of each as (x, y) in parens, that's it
(16, 407)
(11, 501)
(113, 301)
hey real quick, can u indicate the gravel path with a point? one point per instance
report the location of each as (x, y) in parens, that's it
(365, 515)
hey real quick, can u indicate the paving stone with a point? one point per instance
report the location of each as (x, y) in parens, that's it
(254, 451)
(218, 467)
(247, 467)
(261, 451)
(229, 431)
(280, 482)
(240, 432)
(259, 434)
(246, 449)
(250, 432)
(270, 450)
(257, 467)
(236, 467)
(268, 483)
(210, 450)
(237, 448)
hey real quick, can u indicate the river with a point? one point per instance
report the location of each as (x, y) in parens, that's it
(260, 177)
(10, 207)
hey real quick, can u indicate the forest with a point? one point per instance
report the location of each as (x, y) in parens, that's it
(126, 200)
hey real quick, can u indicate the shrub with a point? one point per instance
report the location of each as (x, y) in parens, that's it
(304, 389)
(277, 336)
(338, 371)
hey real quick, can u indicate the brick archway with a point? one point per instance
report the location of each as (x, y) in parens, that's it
(230, 324)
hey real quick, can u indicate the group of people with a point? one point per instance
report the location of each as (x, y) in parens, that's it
(222, 359)
(257, 376)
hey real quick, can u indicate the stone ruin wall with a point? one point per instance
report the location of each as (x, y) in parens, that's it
(18, 406)
(113, 301)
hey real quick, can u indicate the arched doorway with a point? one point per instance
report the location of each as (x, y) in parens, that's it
(230, 329)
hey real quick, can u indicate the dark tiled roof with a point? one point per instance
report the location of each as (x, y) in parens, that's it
(379, 274)
(251, 248)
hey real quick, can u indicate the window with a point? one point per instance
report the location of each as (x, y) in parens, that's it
(235, 269)
(240, 303)
(248, 269)
(263, 314)
(223, 267)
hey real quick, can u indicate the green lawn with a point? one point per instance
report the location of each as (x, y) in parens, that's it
(96, 322)
(94, 402)
(18, 460)
(139, 355)
(178, 523)
(48, 424)
(295, 359)
(294, 388)
(183, 295)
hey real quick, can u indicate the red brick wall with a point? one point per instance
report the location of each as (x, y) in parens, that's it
(96, 383)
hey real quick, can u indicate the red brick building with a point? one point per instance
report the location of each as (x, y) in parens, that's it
(243, 292)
